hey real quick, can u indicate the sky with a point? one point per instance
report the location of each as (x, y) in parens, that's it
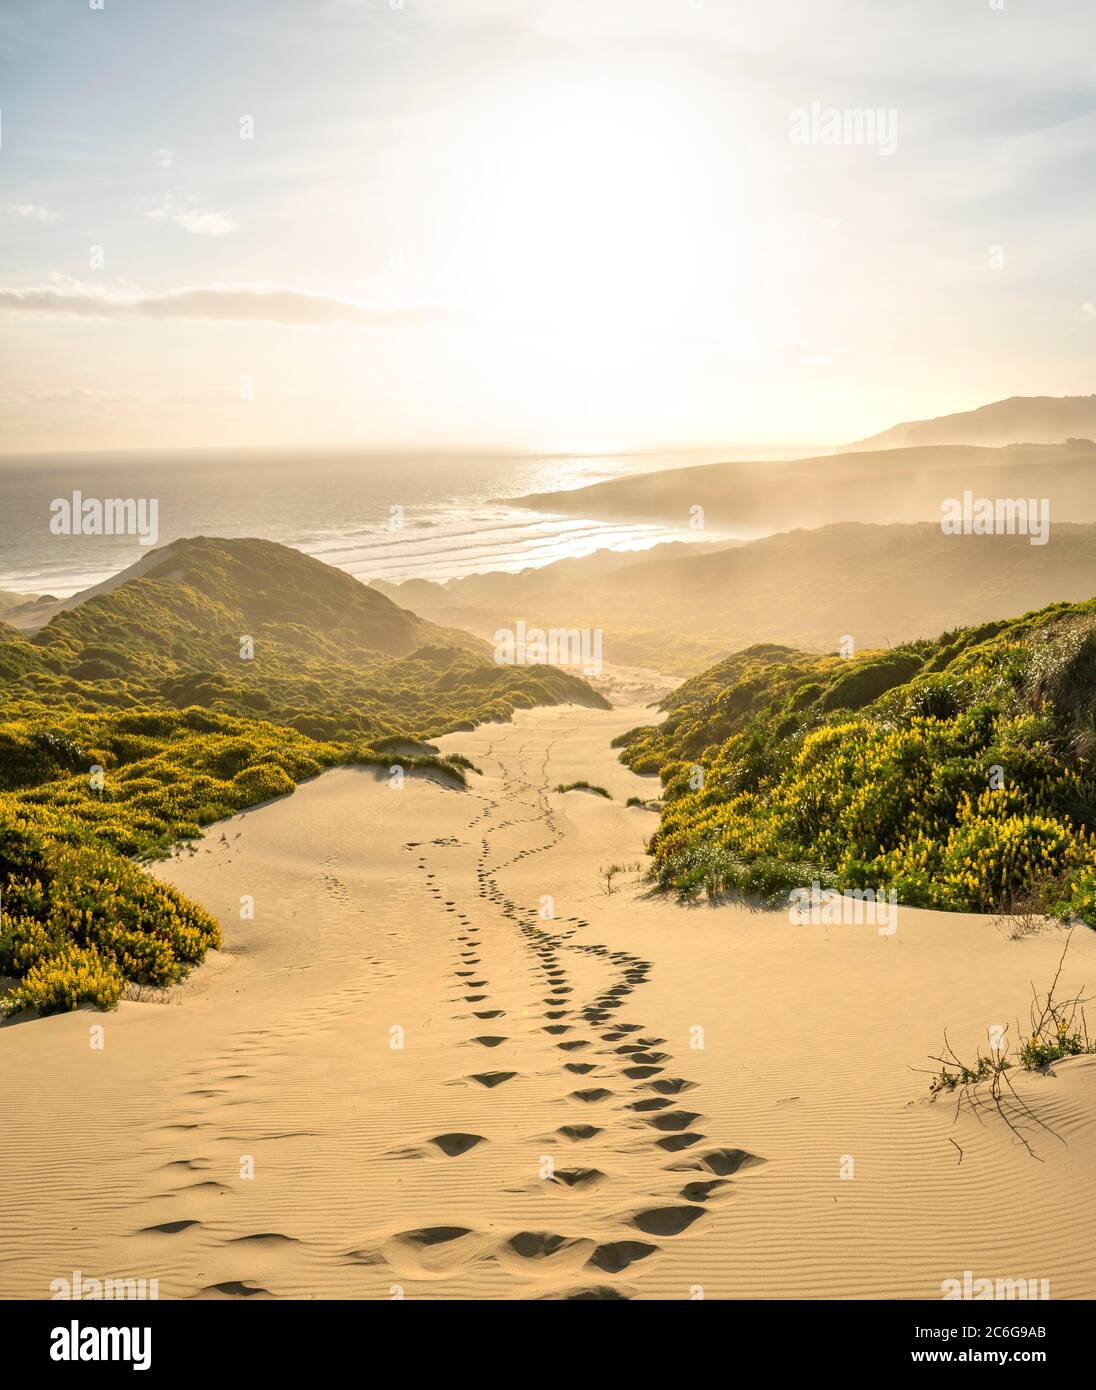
(547, 225)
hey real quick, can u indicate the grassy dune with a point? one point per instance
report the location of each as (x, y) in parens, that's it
(959, 772)
(132, 720)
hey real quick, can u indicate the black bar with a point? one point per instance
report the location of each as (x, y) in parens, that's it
(314, 1338)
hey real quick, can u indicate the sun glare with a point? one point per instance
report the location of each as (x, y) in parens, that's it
(589, 223)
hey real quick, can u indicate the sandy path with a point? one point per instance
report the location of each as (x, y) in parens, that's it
(400, 1078)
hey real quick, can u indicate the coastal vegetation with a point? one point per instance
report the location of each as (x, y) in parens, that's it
(959, 772)
(216, 681)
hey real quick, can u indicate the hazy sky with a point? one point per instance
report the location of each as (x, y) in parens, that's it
(554, 224)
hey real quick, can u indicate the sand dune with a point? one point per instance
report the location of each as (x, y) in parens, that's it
(35, 610)
(442, 1094)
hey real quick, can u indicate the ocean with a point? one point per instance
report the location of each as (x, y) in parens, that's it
(336, 505)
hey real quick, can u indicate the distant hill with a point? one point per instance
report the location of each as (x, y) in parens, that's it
(1018, 420)
(259, 581)
(893, 485)
(9, 600)
(587, 591)
(208, 593)
(678, 608)
(256, 629)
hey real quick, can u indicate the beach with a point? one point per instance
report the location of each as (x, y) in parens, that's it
(430, 514)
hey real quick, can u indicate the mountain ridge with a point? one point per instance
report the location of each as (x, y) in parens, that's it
(1014, 420)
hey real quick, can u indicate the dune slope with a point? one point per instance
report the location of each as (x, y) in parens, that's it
(399, 1079)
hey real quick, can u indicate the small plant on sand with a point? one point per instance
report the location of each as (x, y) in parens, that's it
(583, 787)
(1057, 1029)
(1025, 914)
(609, 874)
(956, 1074)
(146, 994)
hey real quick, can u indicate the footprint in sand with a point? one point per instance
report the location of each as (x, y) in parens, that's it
(490, 1079)
(455, 1144)
(673, 1119)
(234, 1288)
(432, 1252)
(267, 1238)
(615, 1256)
(666, 1221)
(670, 1085)
(722, 1162)
(592, 1293)
(538, 1253)
(674, 1143)
(578, 1179)
(578, 1133)
(701, 1191)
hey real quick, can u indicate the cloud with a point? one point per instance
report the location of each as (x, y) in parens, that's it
(220, 302)
(164, 158)
(32, 210)
(192, 219)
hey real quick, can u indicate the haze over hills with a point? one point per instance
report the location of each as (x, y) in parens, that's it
(902, 485)
(1018, 420)
(806, 588)
(9, 600)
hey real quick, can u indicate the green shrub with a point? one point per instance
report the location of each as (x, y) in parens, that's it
(262, 783)
(959, 773)
(66, 981)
